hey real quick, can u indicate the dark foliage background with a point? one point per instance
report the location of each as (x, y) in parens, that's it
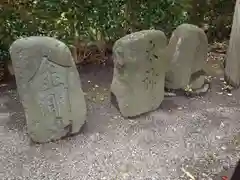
(107, 20)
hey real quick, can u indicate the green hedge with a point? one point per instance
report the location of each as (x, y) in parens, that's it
(91, 19)
(107, 19)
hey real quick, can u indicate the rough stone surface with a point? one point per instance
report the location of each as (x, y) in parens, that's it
(188, 47)
(49, 87)
(139, 72)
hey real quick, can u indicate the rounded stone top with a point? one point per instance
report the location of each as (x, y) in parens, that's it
(43, 46)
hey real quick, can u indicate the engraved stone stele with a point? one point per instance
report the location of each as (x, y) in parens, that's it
(187, 49)
(139, 72)
(49, 88)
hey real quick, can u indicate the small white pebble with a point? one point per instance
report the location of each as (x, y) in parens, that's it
(222, 125)
(223, 148)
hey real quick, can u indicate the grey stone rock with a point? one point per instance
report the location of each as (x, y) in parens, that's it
(188, 47)
(140, 65)
(49, 87)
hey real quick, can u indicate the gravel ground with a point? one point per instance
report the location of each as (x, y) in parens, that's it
(198, 135)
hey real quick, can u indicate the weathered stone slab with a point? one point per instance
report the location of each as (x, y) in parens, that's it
(188, 48)
(49, 87)
(139, 72)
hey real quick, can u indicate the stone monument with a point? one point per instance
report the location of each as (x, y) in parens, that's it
(49, 88)
(187, 48)
(140, 64)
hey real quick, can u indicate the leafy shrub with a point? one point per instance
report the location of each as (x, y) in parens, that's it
(216, 14)
(107, 20)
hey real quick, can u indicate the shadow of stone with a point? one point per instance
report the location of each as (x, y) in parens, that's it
(236, 174)
(68, 136)
(114, 101)
(115, 104)
(166, 104)
(17, 119)
(8, 85)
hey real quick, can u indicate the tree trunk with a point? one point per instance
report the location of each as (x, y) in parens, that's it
(232, 69)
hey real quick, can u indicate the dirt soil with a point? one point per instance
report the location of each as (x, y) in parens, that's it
(185, 139)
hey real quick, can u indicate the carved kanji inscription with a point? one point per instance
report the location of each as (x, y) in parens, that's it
(52, 89)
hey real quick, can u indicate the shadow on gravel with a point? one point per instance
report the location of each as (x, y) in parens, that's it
(236, 174)
(232, 173)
